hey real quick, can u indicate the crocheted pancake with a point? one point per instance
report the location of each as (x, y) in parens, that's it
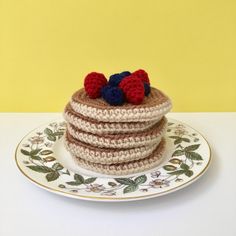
(91, 125)
(144, 138)
(117, 125)
(126, 168)
(106, 155)
(153, 107)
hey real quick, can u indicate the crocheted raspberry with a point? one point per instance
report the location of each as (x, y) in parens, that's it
(115, 79)
(113, 95)
(147, 89)
(142, 74)
(93, 83)
(133, 89)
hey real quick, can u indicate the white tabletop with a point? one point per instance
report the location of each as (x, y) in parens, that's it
(207, 207)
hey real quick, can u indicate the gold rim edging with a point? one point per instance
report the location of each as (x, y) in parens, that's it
(111, 199)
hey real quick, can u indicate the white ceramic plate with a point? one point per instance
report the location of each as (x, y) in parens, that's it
(42, 158)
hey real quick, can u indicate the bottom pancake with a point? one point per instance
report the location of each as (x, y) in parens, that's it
(126, 168)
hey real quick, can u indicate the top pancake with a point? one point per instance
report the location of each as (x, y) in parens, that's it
(156, 105)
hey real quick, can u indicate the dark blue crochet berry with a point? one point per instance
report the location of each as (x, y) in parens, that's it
(104, 89)
(147, 88)
(125, 74)
(115, 79)
(113, 95)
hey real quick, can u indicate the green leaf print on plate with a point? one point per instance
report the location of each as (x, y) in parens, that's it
(188, 157)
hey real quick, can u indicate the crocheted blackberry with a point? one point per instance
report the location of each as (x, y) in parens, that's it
(113, 95)
(133, 89)
(93, 83)
(147, 89)
(103, 91)
(125, 74)
(115, 79)
(142, 74)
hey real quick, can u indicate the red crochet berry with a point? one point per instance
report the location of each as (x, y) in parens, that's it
(142, 74)
(133, 89)
(93, 83)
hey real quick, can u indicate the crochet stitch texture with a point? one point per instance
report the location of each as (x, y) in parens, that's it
(117, 127)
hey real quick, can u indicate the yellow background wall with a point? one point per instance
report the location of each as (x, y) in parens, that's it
(47, 47)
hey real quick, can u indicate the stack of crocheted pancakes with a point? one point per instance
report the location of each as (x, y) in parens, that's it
(116, 139)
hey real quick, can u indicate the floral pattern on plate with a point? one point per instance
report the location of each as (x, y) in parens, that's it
(188, 158)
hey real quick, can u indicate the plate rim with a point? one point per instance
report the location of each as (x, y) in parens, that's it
(113, 199)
